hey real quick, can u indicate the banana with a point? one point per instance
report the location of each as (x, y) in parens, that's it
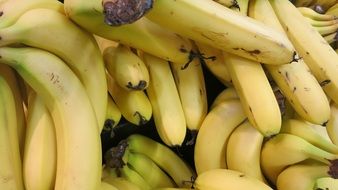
(39, 161)
(333, 10)
(163, 156)
(331, 38)
(142, 34)
(113, 115)
(190, 83)
(326, 183)
(310, 13)
(148, 169)
(121, 183)
(332, 125)
(134, 105)
(12, 79)
(11, 167)
(320, 23)
(230, 31)
(134, 177)
(301, 176)
(107, 186)
(77, 133)
(212, 138)
(283, 150)
(219, 179)
(244, 149)
(226, 94)
(213, 59)
(326, 30)
(305, 131)
(59, 35)
(13, 9)
(162, 91)
(128, 69)
(104, 43)
(297, 84)
(228, 3)
(321, 130)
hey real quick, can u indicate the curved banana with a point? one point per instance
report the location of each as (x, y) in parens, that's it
(39, 160)
(118, 182)
(128, 69)
(13, 9)
(134, 105)
(244, 151)
(310, 13)
(77, 133)
(142, 34)
(326, 183)
(59, 35)
(219, 179)
(107, 186)
(162, 91)
(326, 30)
(164, 157)
(332, 125)
(283, 150)
(11, 166)
(113, 114)
(134, 177)
(190, 83)
(226, 94)
(321, 23)
(104, 43)
(297, 84)
(331, 38)
(212, 138)
(229, 32)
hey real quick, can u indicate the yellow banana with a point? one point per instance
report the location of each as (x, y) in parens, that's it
(229, 31)
(332, 125)
(77, 131)
(320, 23)
(113, 115)
(59, 35)
(121, 183)
(212, 138)
(326, 30)
(106, 186)
(310, 13)
(224, 95)
(128, 69)
(10, 167)
(39, 161)
(162, 91)
(104, 43)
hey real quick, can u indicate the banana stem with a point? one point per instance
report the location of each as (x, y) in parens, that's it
(115, 156)
(333, 172)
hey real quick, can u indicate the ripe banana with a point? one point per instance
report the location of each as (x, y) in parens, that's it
(326, 183)
(120, 183)
(39, 160)
(189, 80)
(283, 150)
(220, 179)
(142, 34)
(77, 131)
(320, 23)
(311, 46)
(113, 114)
(162, 91)
(104, 43)
(332, 125)
(164, 157)
(297, 84)
(10, 167)
(310, 13)
(305, 131)
(229, 31)
(326, 30)
(13, 9)
(226, 94)
(212, 138)
(134, 105)
(244, 151)
(128, 69)
(106, 186)
(59, 35)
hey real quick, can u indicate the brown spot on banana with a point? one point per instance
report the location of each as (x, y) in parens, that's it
(140, 86)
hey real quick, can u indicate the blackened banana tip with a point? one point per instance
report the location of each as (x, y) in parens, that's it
(121, 12)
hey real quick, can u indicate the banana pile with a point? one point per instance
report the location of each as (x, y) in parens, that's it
(69, 73)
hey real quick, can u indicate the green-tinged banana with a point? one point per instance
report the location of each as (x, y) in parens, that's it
(13, 9)
(301, 176)
(104, 43)
(324, 183)
(321, 130)
(11, 166)
(294, 80)
(331, 38)
(229, 31)
(134, 177)
(164, 157)
(243, 6)
(305, 131)
(260, 106)
(118, 182)
(39, 161)
(11, 77)
(333, 10)
(213, 59)
(190, 83)
(311, 46)
(142, 34)
(283, 150)
(244, 151)
(59, 35)
(326, 30)
(219, 179)
(310, 13)
(107, 186)
(332, 125)
(113, 114)
(148, 169)
(128, 69)
(226, 94)
(321, 23)
(163, 94)
(134, 105)
(212, 138)
(77, 133)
